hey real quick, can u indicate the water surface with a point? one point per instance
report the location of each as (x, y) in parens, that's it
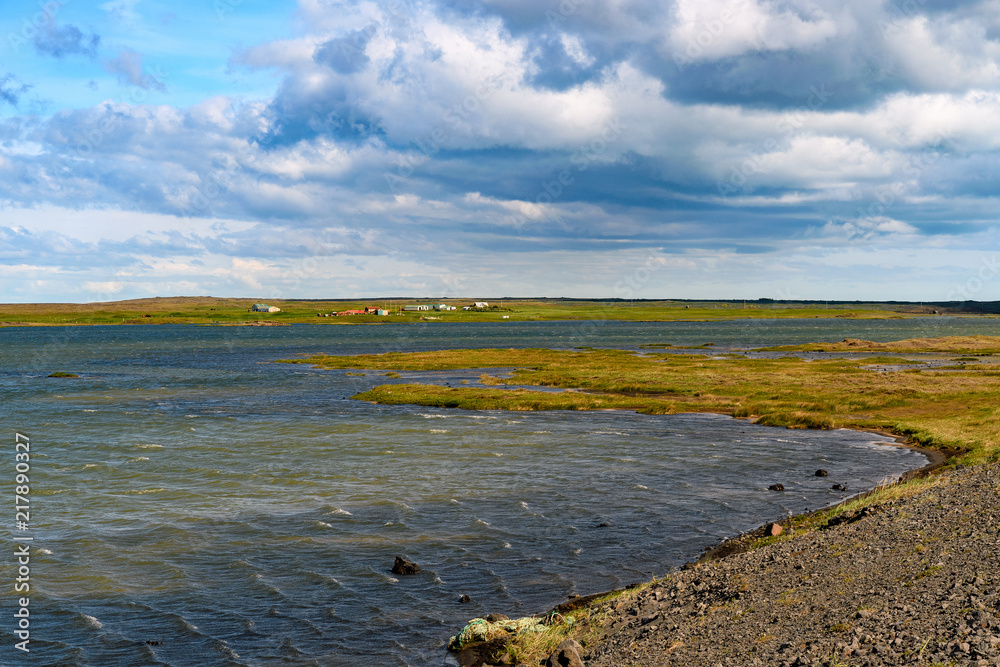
(195, 504)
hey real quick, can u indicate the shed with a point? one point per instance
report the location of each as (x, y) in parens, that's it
(260, 308)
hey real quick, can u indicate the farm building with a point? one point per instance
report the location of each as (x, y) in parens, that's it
(419, 307)
(481, 304)
(259, 308)
(274, 309)
(352, 312)
(443, 306)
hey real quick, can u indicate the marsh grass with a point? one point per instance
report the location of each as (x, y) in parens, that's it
(954, 411)
(585, 625)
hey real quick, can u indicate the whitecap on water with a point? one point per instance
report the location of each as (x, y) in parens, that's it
(138, 458)
(91, 621)
(642, 487)
(44, 551)
(524, 504)
(323, 524)
(438, 430)
(149, 446)
(481, 522)
(338, 511)
(506, 545)
(85, 410)
(142, 492)
(426, 416)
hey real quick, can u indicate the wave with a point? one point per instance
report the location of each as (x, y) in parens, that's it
(91, 621)
(337, 511)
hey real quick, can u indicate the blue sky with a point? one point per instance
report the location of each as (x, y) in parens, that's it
(812, 149)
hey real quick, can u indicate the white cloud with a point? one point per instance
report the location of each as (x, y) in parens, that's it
(712, 29)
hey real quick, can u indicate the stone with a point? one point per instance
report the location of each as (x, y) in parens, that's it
(404, 567)
(822, 473)
(496, 618)
(464, 599)
(774, 529)
(567, 655)
(776, 487)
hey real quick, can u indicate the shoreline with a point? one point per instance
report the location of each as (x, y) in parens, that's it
(476, 655)
(902, 581)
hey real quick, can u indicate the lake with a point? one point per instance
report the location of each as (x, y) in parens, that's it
(193, 503)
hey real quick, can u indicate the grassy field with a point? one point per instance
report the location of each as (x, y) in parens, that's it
(212, 310)
(955, 409)
(950, 344)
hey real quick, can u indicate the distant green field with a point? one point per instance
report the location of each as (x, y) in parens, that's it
(212, 310)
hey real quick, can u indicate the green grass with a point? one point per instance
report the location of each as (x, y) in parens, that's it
(982, 345)
(956, 411)
(212, 310)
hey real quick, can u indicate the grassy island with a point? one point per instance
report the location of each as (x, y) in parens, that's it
(953, 407)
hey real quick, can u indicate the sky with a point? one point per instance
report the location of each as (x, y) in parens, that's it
(638, 149)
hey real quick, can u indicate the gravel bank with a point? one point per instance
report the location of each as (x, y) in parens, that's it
(913, 582)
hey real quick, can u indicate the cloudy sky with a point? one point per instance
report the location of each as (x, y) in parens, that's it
(822, 149)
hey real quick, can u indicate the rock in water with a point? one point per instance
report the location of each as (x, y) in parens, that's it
(403, 566)
(464, 599)
(567, 655)
(822, 473)
(776, 487)
(774, 529)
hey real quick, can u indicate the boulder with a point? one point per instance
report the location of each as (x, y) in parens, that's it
(774, 529)
(822, 473)
(567, 655)
(776, 487)
(404, 567)
(496, 618)
(464, 599)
